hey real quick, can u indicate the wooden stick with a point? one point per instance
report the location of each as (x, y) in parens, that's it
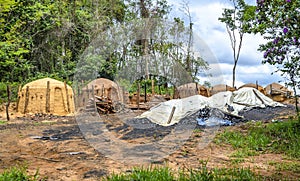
(138, 96)
(26, 99)
(145, 92)
(153, 87)
(256, 85)
(47, 97)
(93, 94)
(171, 115)
(8, 102)
(18, 98)
(67, 94)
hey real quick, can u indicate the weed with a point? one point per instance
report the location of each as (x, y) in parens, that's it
(242, 153)
(237, 160)
(18, 173)
(3, 122)
(281, 137)
(286, 166)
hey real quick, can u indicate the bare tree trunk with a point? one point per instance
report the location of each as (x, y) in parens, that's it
(233, 75)
(296, 98)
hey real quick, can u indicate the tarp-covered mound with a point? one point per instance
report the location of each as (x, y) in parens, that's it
(256, 86)
(228, 102)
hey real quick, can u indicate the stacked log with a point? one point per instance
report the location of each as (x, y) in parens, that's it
(103, 105)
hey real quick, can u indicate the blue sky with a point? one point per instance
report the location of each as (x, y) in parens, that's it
(205, 14)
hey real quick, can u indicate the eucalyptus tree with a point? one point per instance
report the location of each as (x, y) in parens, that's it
(237, 20)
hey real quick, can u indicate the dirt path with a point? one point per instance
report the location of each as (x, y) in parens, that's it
(56, 147)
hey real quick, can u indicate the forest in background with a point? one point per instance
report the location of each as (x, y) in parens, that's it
(49, 38)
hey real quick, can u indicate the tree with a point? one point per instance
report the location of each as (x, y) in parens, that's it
(278, 22)
(237, 24)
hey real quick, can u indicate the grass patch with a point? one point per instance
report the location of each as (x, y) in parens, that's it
(281, 137)
(18, 173)
(242, 153)
(202, 173)
(286, 166)
(2, 122)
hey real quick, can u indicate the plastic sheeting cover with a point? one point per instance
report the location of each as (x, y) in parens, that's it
(231, 102)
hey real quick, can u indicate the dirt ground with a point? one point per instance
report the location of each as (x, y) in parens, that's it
(56, 148)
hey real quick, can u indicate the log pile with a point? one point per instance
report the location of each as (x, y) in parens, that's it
(103, 104)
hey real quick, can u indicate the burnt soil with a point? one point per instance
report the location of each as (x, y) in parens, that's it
(56, 147)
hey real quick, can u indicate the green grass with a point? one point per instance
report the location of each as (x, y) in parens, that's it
(201, 173)
(3, 122)
(281, 137)
(18, 173)
(286, 166)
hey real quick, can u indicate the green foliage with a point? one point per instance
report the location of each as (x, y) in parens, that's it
(281, 137)
(18, 173)
(13, 91)
(278, 22)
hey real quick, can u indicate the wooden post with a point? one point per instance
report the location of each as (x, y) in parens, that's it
(26, 99)
(145, 92)
(270, 89)
(171, 115)
(8, 102)
(67, 94)
(153, 87)
(18, 99)
(48, 97)
(256, 85)
(138, 96)
(174, 92)
(226, 87)
(93, 94)
(197, 89)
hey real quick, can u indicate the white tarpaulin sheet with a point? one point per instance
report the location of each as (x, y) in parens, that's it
(238, 100)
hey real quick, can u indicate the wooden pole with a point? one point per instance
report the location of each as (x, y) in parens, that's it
(256, 85)
(48, 97)
(197, 89)
(67, 94)
(8, 102)
(138, 96)
(26, 99)
(93, 94)
(171, 115)
(153, 87)
(145, 92)
(18, 98)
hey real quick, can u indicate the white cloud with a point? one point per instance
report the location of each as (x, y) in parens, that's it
(205, 16)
